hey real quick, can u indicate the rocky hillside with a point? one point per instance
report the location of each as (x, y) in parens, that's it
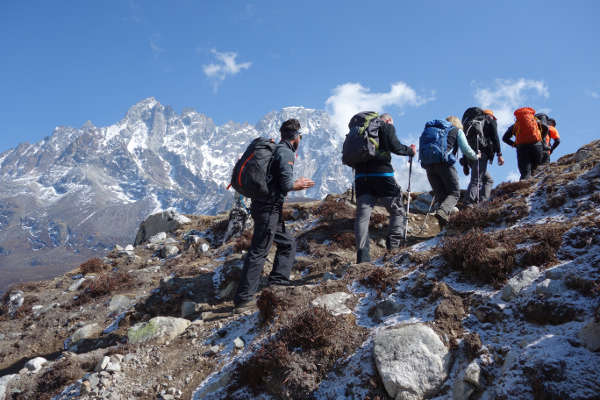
(503, 304)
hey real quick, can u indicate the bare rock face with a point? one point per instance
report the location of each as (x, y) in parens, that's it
(159, 328)
(412, 361)
(519, 282)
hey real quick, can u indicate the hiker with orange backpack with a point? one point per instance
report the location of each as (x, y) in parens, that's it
(270, 177)
(530, 134)
(552, 134)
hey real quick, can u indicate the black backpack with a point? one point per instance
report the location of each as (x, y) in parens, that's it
(250, 176)
(362, 141)
(474, 120)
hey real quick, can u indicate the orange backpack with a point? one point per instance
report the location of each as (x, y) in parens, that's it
(526, 127)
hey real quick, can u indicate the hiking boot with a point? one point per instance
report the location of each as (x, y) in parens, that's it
(442, 218)
(281, 283)
(245, 307)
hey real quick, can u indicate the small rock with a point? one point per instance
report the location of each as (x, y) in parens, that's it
(77, 276)
(204, 247)
(381, 243)
(160, 328)
(238, 343)
(23, 371)
(15, 301)
(86, 332)
(158, 238)
(86, 387)
(189, 308)
(473, 374)
(386, 308)
(76, 285)
(94, 380)
(35, 364)
(549, 287)
(129, 247)
(519, 282)
(128, 358)
(119, 303)
(169, 251)
(334, 303)
(101, 366)
(118, 248)
(590, 335)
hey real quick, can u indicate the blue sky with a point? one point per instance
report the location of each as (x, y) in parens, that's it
(66, 62)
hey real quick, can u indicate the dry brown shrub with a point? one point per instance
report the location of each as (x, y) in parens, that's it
(556, 201)
(377, 218)
(103, 285)
(344, 240)
(51, 381)
(479, 257)
(494, 211)
(379, 279)
(587, 287)
(301, 353)
(333, 208)
(508, 188)
(92, 265)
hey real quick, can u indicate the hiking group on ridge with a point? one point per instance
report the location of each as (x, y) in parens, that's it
(264, 174)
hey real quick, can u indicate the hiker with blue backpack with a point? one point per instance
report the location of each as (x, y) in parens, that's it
(438, 148)
(367, 149)
(265, 173)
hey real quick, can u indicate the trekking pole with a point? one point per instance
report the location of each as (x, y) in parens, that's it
(408, 201)
(427, 215)
(353, 185)
(478, 172)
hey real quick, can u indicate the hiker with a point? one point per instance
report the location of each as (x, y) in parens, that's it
(552, 134)
(481, 137)
(237, 219)
(438, 147)
(269, 227)
(375, 184)
(529, 133)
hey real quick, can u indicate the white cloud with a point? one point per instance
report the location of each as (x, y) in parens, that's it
(508, 95)
(226, 65)
(351, 98)
(593, 94)
(156, 49)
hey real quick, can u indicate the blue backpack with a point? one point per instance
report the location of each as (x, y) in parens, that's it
(433, 143)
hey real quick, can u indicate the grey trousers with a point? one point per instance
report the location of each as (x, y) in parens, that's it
(486, 183)
(443, 179)
(364, 206)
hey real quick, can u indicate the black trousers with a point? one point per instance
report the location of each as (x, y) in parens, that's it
(268, 228)
(529, 157)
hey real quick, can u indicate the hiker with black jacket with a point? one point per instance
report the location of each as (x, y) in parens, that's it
(552, 135)
(481, 184)
(375, 184)
(530, 134)
(269, 226)
(440, 169)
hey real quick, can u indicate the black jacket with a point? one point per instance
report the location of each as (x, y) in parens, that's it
(381, 186)
(490, 131)
(388, 143)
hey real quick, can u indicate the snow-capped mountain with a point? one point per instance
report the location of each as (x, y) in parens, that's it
(79, 191)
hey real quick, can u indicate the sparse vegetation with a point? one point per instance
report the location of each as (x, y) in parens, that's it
(379, 279)
(92, 265)
(479, 257)
(102, 285)
(268, 304)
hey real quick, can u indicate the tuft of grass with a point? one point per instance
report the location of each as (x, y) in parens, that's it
(103, 285)
(479, 257)
(93, 265)
(379, 279)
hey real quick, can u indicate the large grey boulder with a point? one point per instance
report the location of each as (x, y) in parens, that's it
(166, 221)
(519, 282)
(160, 329)
(335, 303)
(412, 361)
(119, 303)
(169, 251)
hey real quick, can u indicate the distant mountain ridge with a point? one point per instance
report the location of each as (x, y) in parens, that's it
(78, 191)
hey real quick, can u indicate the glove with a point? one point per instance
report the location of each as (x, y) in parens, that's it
(413, 149)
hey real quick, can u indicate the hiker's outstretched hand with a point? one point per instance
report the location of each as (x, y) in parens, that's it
(303, 183)
(413, 148)
(500, 160)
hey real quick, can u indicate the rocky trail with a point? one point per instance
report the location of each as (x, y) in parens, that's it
(503, 304)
